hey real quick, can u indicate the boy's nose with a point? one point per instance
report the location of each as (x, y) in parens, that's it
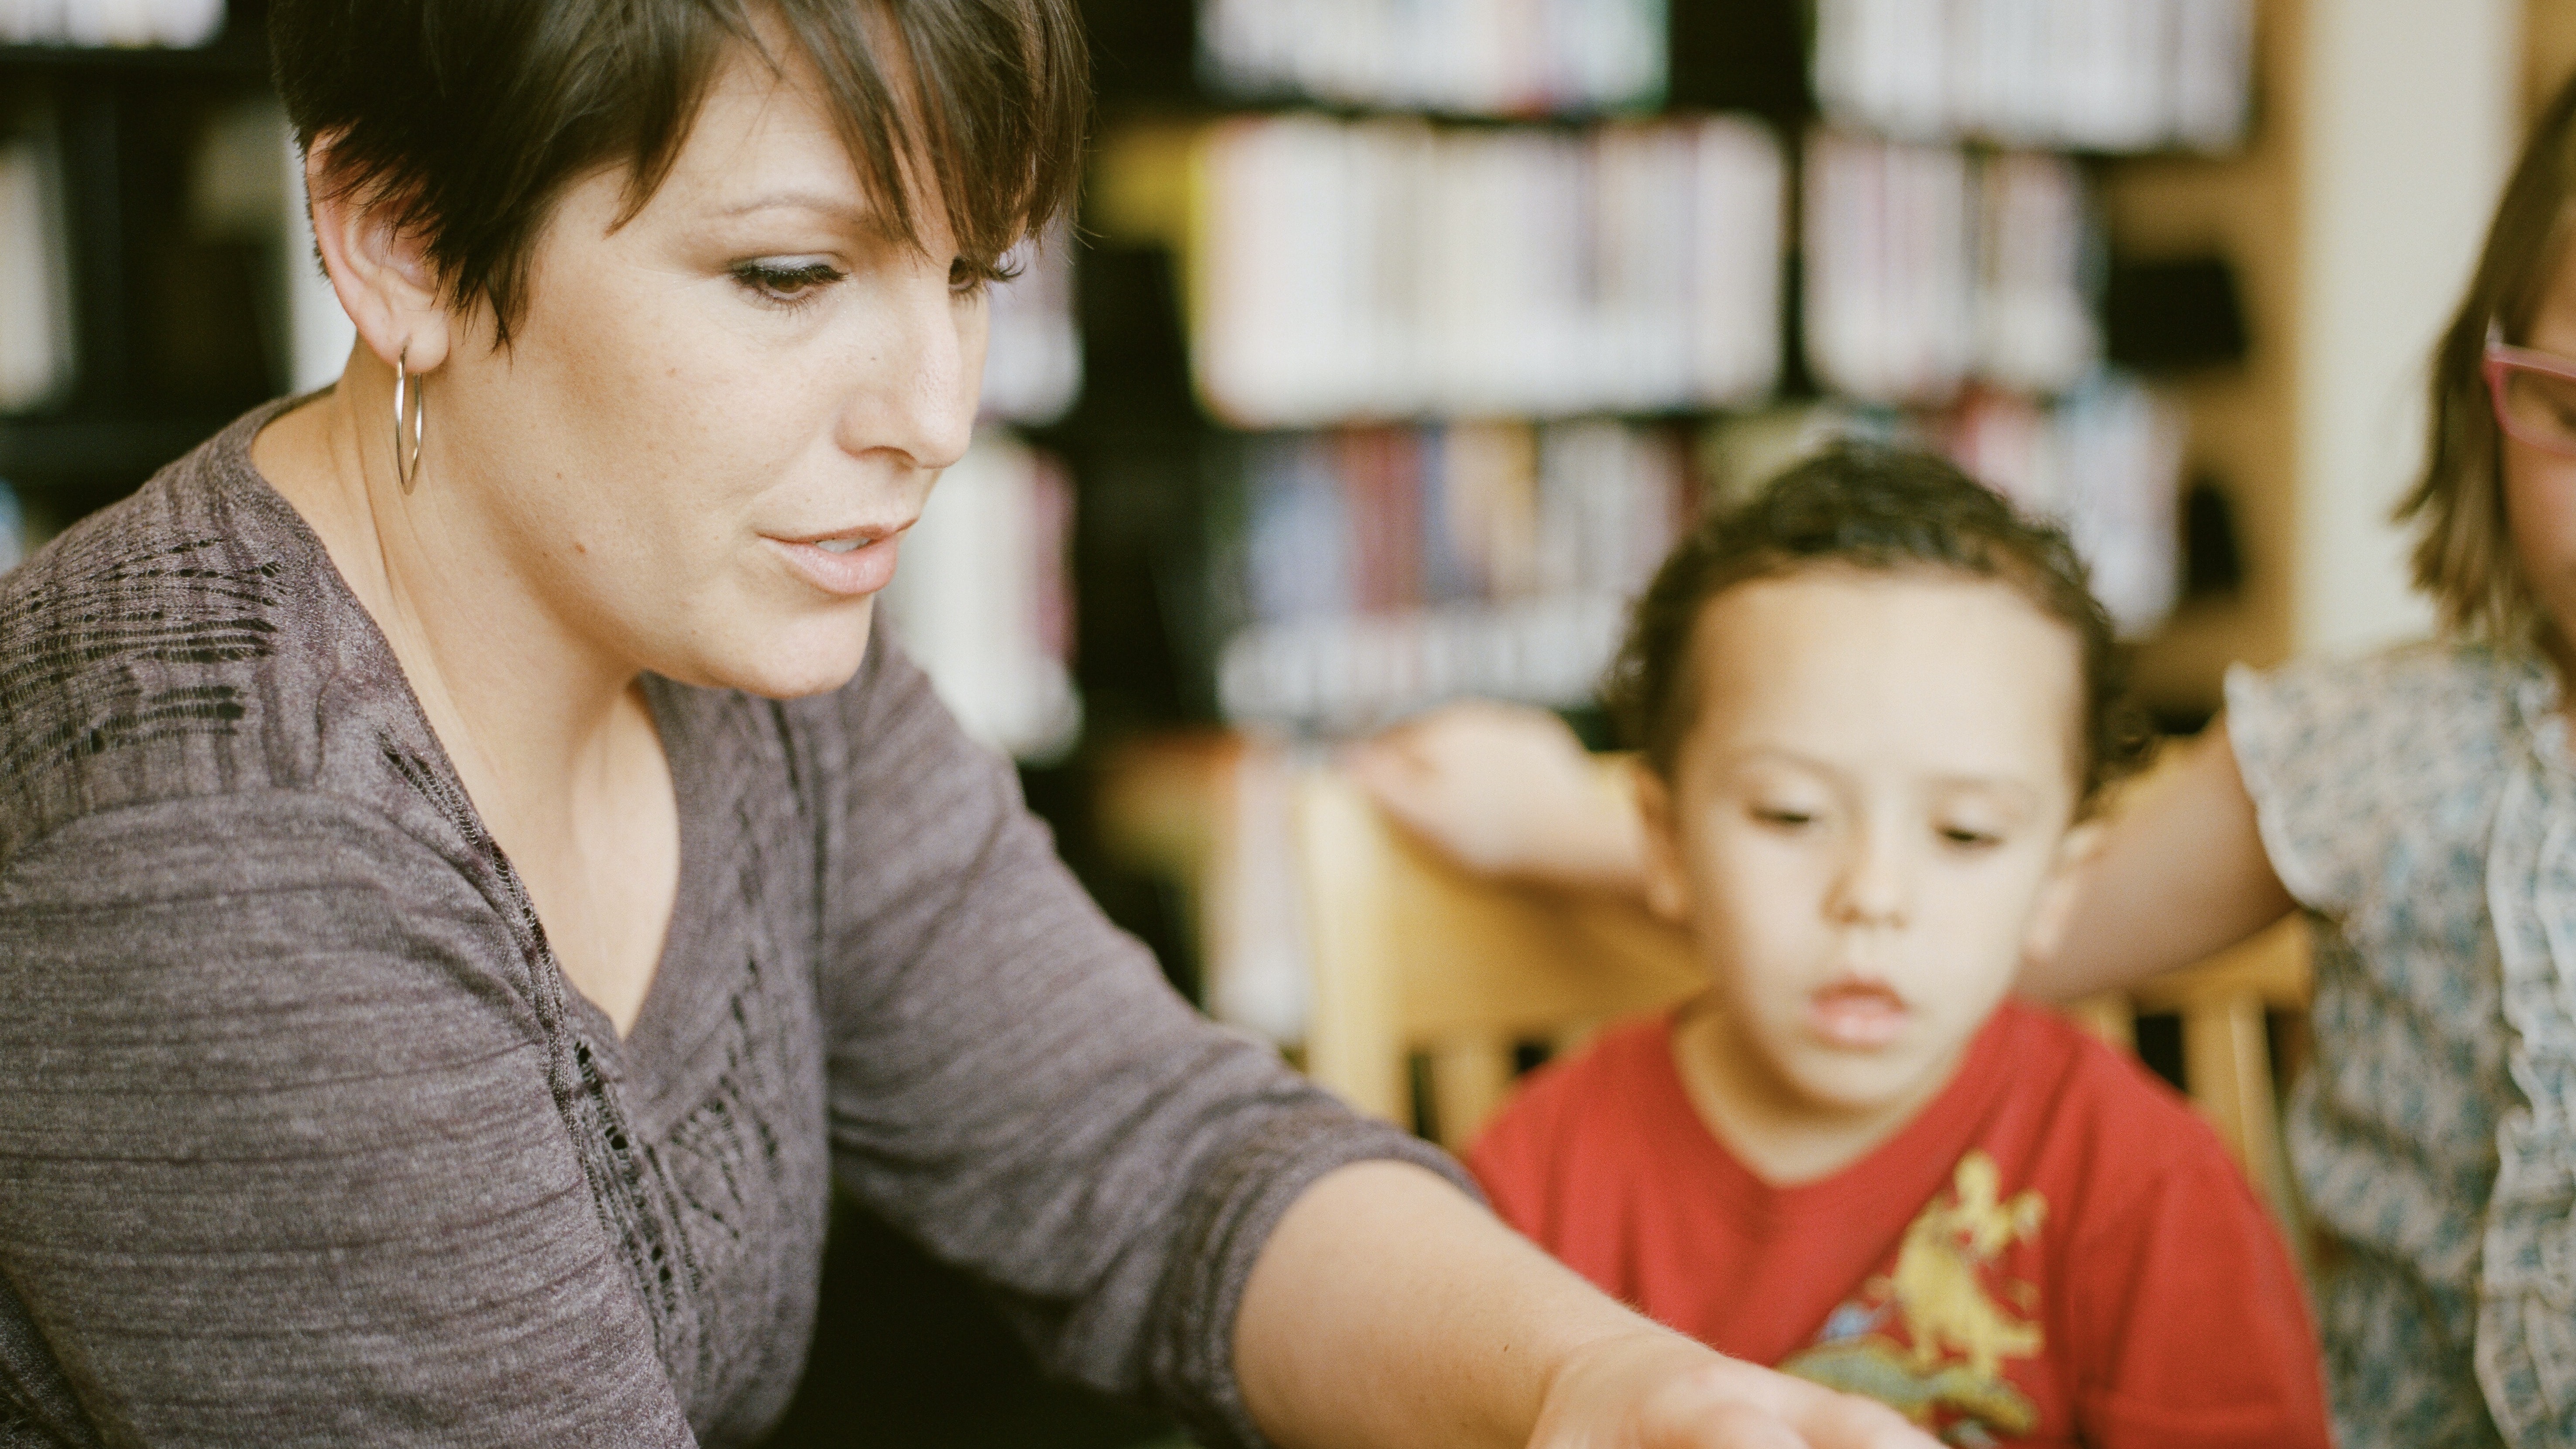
(1876, 886)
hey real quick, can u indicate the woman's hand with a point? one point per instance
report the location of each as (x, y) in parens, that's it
(1656, 1390)
(1505, 791)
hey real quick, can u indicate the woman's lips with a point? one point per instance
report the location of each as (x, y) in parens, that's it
(846, 573)
(1857, 1015)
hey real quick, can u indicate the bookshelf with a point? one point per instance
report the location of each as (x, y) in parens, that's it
(1371, 273)
(163, 321)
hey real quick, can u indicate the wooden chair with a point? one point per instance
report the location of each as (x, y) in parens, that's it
(2226, 1004)
(1415, 957)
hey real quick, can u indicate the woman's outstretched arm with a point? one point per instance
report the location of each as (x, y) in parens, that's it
(1389, 1309)
(2180, 874)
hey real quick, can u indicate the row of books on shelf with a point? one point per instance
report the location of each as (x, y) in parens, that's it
(1390, 268)
(983, 599)
(1033, 354)
(124, 23)
(1927, 268)
(35, 296)
(1380, 571)
(2083, 75)
(1463, 57)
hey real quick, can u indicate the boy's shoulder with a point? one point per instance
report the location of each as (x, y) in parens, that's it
(2093, 1120)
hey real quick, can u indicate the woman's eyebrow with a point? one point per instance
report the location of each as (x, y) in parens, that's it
(856, 214)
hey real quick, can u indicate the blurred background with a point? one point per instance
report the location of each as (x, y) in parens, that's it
(1395, 340)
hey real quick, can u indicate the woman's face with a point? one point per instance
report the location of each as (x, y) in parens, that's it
(2540, 486)
(713, 423)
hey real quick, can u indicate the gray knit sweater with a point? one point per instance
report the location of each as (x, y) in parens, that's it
(304, 1139)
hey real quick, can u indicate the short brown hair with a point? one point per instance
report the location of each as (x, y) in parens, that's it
(470, 117)
(2463, 547)
(1881, 509)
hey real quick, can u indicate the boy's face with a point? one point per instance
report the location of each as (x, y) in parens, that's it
(1869, 810)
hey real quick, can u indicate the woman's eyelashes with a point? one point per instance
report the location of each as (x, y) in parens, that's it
(795, 282)
(786, 283)
(968, 277)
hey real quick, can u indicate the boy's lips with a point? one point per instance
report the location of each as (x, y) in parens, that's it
(1858, 1015)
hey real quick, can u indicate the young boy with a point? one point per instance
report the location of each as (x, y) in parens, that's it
(1874, 704)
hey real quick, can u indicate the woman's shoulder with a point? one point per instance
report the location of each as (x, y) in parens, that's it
(2422, 681)
(194, 641)
(2389, 731)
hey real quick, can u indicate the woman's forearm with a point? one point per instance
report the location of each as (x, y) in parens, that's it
(1388, 1309)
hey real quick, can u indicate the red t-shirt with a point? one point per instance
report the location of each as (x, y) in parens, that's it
(2056, 1251)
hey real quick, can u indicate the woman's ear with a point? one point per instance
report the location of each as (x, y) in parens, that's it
(2056, 904)
(1667, 887)
(381, 271)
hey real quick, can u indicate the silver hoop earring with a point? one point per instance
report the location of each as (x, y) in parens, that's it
(407, 470)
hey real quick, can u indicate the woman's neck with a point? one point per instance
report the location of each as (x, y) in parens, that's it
(552, 740)
(523, 708)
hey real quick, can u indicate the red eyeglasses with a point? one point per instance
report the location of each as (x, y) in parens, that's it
(2534, 394)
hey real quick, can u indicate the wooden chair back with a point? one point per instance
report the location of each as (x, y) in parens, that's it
(2226, 1005)
(1415, 957)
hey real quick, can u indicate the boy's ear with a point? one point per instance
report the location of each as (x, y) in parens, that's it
(1667, 895)
(2056, 901)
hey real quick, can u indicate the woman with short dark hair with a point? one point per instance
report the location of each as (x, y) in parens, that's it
(470, 881)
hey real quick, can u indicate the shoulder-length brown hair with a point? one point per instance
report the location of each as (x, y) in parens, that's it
(470, 117)
(2463, 548)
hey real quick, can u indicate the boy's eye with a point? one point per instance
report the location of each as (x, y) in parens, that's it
(1968, 837)
(1788, 817)
(785, 284)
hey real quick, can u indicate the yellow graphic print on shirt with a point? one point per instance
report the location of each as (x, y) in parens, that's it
(1928, 1340)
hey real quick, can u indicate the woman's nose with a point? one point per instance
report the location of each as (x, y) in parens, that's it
(1876, 887)
(920, 372)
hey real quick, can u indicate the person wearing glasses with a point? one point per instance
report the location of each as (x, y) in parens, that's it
(2419, 804)
(472, 880)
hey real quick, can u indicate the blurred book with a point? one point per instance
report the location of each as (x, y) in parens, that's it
(121, 23)
(1459, 57)
(1380, 571)
(1033, 354)
(16, 540)
(1926, 269)
(983, 597)
(1388, 269)
(36, 358)
(2080, 75)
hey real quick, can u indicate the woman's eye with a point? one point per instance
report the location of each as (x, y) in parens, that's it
(790, 284)
(1785, 817)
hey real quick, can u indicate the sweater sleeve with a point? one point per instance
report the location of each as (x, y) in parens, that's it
(280, 1158)
(2191, 1324)
(1013, 1083)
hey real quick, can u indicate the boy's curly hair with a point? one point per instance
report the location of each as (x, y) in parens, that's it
(1882, 509)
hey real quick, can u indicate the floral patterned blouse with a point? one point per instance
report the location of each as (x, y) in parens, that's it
(2421, 804)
